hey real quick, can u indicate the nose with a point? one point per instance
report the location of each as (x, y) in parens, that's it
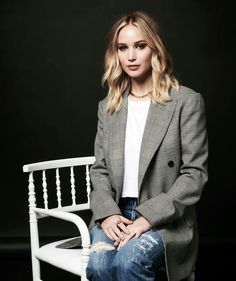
(131, 55)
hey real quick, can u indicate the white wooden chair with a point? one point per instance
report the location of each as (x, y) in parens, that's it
(71, 260)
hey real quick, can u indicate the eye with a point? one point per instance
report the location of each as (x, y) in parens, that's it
(141, 46)
(122, 48)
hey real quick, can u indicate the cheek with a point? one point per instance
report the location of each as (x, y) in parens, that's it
(147, 58)
(121, 59)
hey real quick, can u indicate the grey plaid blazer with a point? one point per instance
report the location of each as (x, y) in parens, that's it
(172, 172)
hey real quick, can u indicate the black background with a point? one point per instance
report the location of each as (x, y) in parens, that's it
(51, 64)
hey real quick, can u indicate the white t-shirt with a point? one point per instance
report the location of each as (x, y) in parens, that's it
(136, 120)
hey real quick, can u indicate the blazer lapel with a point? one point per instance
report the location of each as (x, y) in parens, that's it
(158, 120)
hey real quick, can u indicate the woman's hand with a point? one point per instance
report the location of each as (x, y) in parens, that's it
(115, 227)
(138, 227)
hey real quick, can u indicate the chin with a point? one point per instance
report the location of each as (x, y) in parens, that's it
(138, 74)
(134, 74)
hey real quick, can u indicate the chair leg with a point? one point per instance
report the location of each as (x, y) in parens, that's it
(36, 269)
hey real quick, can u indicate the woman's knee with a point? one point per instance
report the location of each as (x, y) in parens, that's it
(153, 242)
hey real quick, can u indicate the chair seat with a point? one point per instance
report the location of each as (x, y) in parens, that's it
(67, 259)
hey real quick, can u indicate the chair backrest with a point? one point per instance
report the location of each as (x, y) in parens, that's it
(58, 165)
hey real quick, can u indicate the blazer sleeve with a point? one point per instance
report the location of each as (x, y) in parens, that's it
(187, 188)
(102, 195)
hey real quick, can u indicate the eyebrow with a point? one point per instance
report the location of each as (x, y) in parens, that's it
(134, 42)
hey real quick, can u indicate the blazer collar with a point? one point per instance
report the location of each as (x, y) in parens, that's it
(158, 120)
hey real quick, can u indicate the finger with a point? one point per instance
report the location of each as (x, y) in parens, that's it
(123, 228)
(118, 232)
(115, 243)
(107, 233)
(113, 234)
(122, 243)
(125, 220)
(127, 238)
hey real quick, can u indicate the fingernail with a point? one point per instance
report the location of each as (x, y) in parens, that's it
(115, 243)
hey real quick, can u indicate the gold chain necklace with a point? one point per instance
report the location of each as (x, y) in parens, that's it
(139, 97)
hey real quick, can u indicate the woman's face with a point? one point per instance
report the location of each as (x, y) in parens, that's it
(133, 52)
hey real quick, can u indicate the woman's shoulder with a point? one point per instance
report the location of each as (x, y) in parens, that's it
(102, 104)
(184, 90)
(188, 99)
(185, 93)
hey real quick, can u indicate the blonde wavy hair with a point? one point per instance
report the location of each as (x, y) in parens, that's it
(162, 68)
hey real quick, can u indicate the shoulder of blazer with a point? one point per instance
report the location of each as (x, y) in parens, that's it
(185, 95)
(103, 104)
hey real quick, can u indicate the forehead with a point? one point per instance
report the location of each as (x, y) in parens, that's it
(130, 33)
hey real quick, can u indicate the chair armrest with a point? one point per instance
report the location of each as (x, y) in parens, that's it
(77, 220)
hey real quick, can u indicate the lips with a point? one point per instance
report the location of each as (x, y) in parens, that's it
(133, 67)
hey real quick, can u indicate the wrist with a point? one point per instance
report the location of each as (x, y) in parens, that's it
(145, 221)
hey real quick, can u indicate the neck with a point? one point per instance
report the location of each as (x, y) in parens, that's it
(141, 87)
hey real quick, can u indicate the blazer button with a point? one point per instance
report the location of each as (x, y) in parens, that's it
(171, 164)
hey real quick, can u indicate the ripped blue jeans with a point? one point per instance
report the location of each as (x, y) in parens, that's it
(138, 259)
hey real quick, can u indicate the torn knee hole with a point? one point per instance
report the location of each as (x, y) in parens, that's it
(102, 246)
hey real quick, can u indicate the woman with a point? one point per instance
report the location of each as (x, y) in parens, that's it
(151, 161)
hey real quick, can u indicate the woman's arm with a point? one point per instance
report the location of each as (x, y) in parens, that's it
(102, 196)
(102, 202)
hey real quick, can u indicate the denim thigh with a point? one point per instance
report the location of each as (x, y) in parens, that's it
(102, 253)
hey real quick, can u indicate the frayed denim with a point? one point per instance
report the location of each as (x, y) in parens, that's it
(138, 260)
